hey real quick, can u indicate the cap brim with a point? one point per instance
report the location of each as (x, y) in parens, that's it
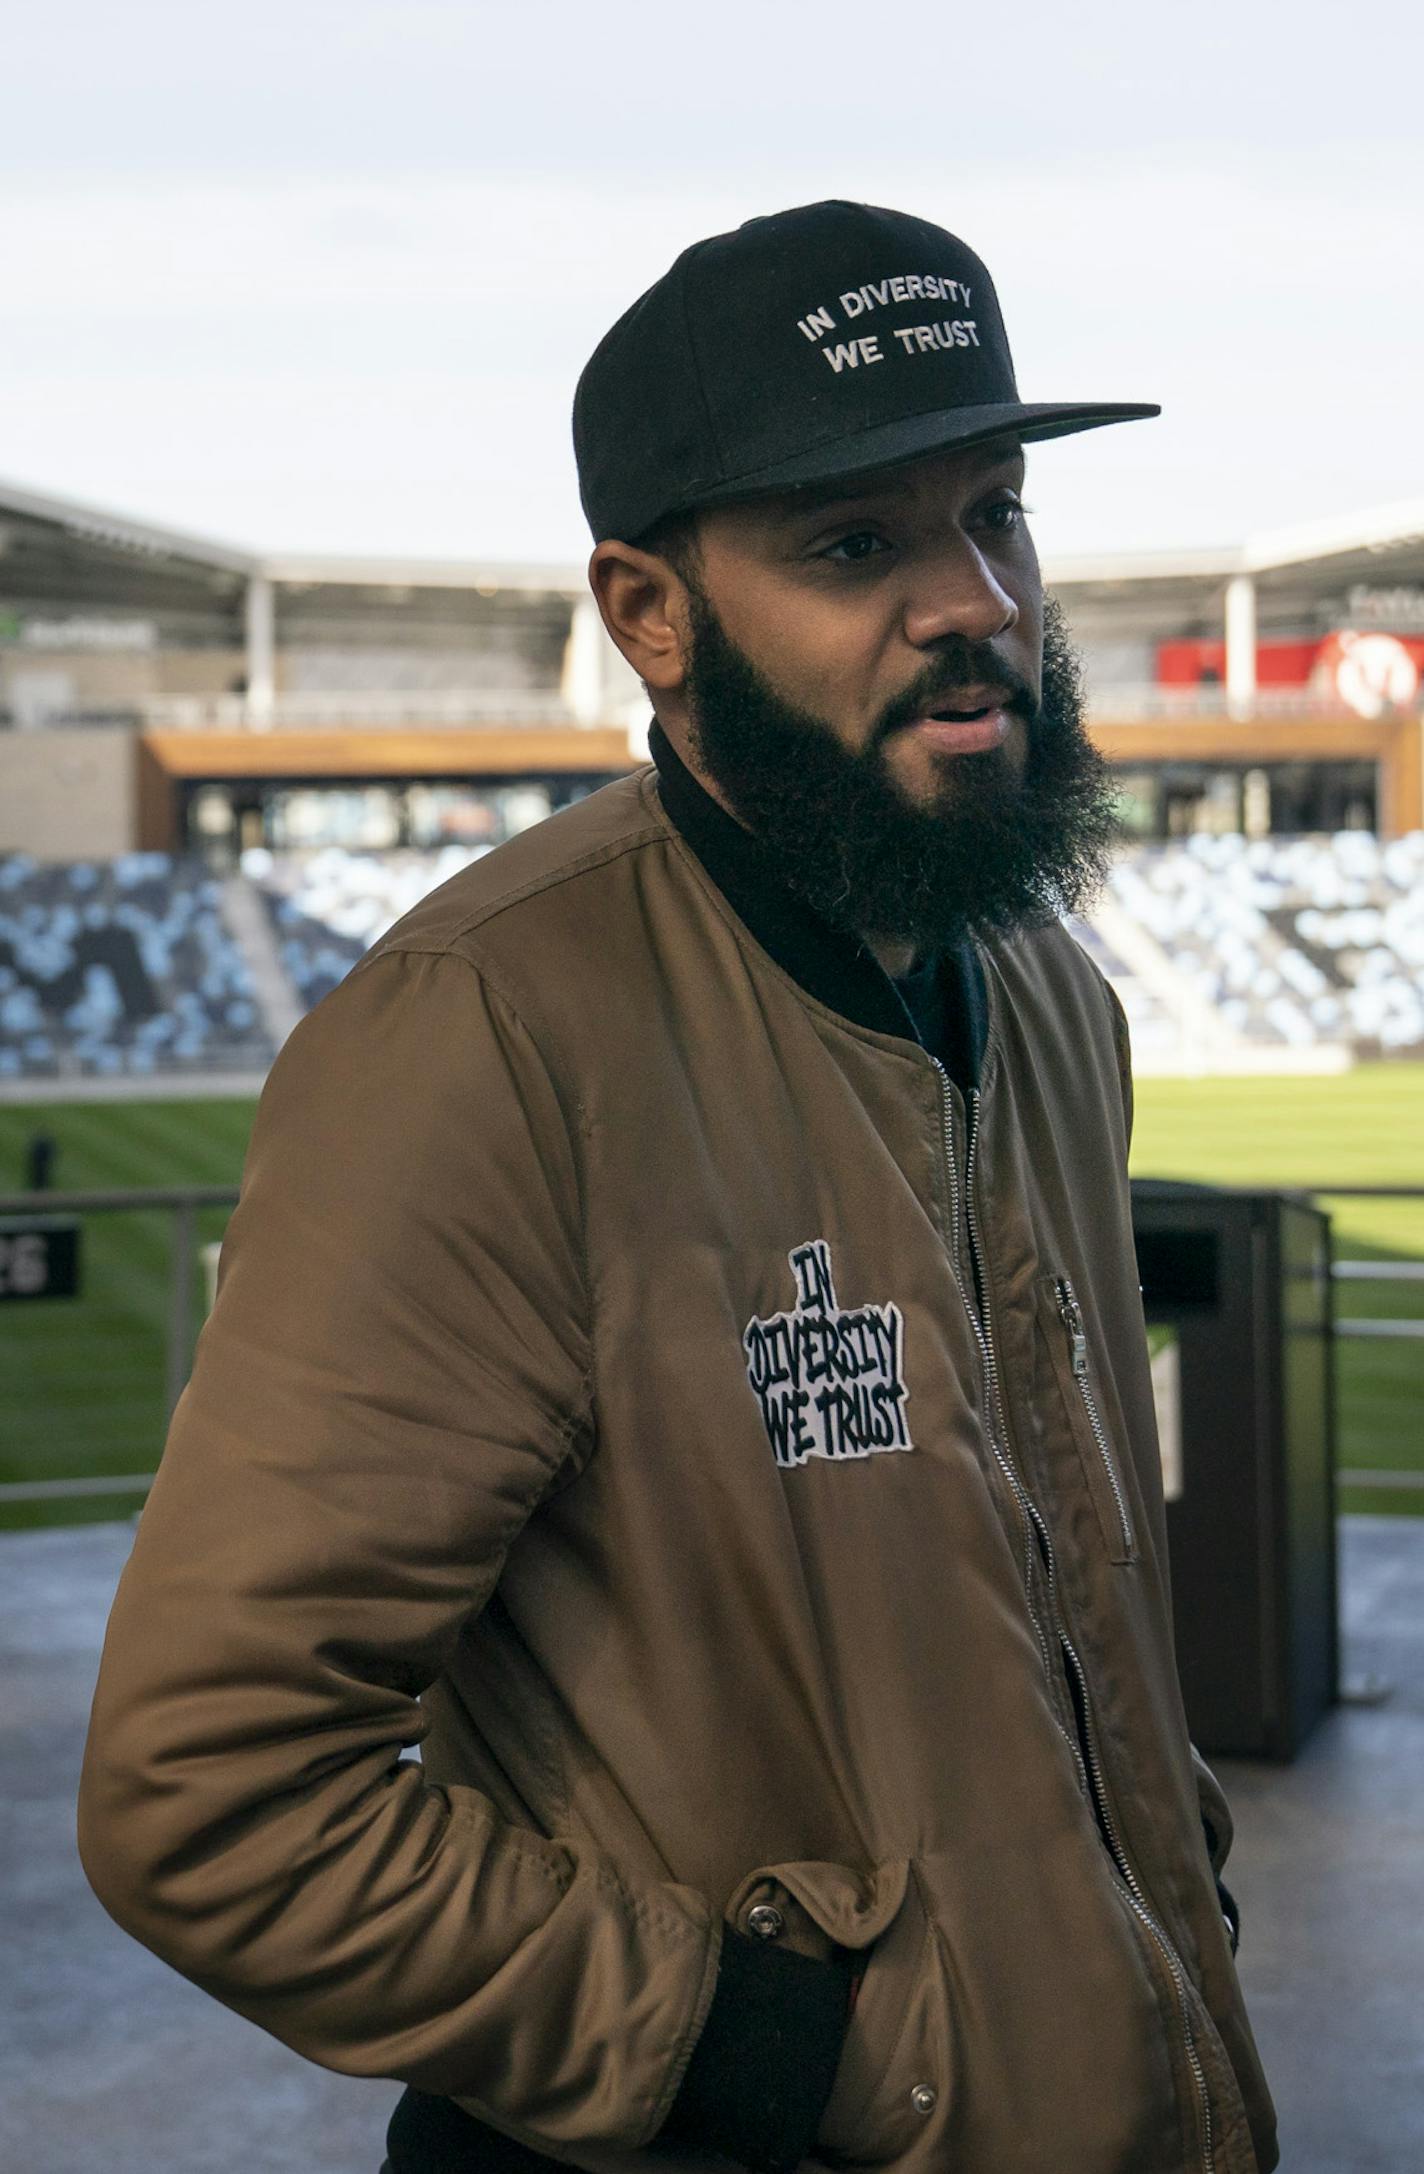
(909, 436)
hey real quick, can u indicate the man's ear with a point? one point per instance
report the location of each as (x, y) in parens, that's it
(644, 607)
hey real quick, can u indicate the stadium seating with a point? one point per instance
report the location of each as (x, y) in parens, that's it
(1154, 1030)
(126, 968)
(1293, 941)
(1290, 942)
(330, 905)
(121, 968)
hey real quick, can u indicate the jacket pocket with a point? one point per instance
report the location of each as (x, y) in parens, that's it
(890, 2100)
(1064, 1331)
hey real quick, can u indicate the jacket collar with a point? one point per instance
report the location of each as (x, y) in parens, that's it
(838, 970)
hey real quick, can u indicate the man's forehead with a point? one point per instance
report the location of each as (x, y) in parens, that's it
(906, 479)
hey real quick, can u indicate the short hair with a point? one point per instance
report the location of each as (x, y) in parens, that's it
(673, 536)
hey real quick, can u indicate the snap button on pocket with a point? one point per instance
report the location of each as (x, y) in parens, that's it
(883, 2107)
(767, 1923)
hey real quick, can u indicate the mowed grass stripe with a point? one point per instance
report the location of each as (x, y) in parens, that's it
(81, 1385)
(198, 1143)
(211, 1146)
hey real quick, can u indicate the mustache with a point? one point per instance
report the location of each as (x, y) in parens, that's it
(967, 664)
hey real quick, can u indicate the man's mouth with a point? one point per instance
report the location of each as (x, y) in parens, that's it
(970, 702)
(968, 723)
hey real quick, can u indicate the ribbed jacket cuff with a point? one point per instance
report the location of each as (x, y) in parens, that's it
(764, 2064)
(428, 2134)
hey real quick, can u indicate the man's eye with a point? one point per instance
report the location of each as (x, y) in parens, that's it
(862, 543)
(1005, 514)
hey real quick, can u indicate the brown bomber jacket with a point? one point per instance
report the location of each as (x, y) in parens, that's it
(653, 1391)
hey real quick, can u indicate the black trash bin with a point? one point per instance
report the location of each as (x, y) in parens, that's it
(1237, 1291)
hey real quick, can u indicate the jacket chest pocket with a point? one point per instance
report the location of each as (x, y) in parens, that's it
(1062, 1332)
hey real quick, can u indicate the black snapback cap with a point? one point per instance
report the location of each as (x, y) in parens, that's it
(808, 345)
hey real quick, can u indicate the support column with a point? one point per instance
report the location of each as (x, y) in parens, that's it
(1240, 646)
(260, 623)
(583, 674)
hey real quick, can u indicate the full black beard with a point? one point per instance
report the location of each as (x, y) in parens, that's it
(996, 853)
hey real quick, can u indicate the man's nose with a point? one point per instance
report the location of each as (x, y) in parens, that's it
(956, 591)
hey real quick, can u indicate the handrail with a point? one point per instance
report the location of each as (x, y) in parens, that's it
(118, 1196)
(1357, 1192)
(184, 1201)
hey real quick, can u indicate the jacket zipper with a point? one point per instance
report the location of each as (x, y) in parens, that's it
(1072, 1316)
(1138, 1902)
(1028, 1515)
(982, 1325)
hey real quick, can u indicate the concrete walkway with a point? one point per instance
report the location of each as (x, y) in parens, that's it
(112, 2064)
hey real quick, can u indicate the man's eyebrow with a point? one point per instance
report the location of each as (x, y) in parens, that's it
(816, 497)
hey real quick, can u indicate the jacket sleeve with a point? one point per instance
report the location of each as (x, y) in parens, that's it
(1215, 1811)
(1219, 1829)
(396, 1371)
(1122, 1043)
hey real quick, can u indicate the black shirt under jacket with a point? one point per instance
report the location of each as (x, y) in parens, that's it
(941, 1003)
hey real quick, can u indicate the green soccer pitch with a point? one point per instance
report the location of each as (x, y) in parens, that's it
(81, 1381)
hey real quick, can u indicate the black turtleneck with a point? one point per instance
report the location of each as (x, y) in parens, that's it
(940, 1003)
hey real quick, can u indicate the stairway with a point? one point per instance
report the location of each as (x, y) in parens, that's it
(245, 916)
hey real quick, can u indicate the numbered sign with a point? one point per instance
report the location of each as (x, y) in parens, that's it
(39, 1257)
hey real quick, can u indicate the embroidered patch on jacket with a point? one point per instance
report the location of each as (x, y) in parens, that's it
(829, 1380)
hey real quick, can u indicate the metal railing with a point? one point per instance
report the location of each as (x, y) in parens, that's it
(1374, 1271)
(184, 1201)
(309, 708)
(1361, 1326)
(1147, 701)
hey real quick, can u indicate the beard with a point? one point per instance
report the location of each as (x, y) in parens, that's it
(996, 851)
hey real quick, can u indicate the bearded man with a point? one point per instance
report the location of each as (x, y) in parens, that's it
(678, 1356)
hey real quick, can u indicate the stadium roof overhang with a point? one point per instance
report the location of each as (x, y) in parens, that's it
(486, 577)
(86, 545)
(60, 555)
(1373, 548)
(88, 525)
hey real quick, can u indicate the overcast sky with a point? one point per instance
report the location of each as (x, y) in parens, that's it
(321, 277)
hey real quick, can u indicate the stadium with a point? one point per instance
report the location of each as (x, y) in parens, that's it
(223, 776)
(383, 1786)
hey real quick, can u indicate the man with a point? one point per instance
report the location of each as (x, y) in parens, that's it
(678, 1353)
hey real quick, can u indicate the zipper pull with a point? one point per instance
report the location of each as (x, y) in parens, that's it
(1073, 1321)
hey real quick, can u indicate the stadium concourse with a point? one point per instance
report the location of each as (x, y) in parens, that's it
(149, 971)
(111, 2064)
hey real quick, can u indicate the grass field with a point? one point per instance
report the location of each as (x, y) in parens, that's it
(82, 1381)
(1364, 1127)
